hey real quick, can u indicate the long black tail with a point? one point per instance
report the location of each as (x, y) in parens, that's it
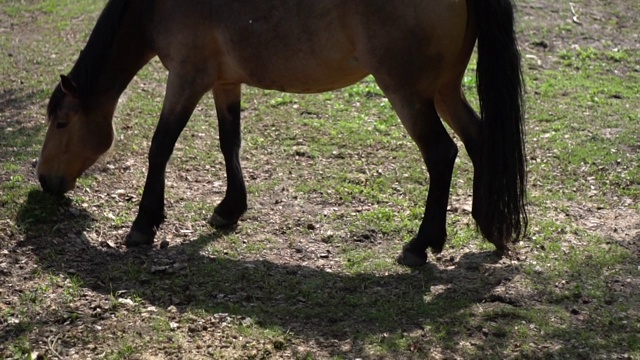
(502, 186)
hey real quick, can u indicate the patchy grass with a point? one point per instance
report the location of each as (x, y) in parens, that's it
(336, 187)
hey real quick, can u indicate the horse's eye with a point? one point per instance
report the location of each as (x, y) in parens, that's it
(61, 125)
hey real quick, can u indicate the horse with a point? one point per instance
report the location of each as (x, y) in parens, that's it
(416, 50)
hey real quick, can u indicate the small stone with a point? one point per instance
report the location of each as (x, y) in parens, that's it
(107, 244)
(157, 269)
(193, 329)
(328, 238)
(279, 344)
(575, 311)
(126, 301)
(311, 227)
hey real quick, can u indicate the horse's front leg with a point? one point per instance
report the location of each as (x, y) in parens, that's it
(180, 100)
(234, 203)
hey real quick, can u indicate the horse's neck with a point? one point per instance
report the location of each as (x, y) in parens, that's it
(113, 56)
(127, 59)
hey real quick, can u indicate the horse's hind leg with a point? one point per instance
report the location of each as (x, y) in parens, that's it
(419, 117)
(456, 111)
(234, 203)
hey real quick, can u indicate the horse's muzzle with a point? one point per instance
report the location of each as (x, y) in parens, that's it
(54, 184)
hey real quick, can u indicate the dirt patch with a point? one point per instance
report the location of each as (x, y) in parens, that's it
(557, 26)
(621, 224)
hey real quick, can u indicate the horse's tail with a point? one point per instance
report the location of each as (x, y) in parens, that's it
(501, 216)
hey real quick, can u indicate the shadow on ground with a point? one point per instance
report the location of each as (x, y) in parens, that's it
(18, 131)
(310, 303)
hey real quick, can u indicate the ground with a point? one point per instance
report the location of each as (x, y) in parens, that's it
(336, 187)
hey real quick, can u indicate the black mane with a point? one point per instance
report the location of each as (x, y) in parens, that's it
(99, 46)
(101, 41)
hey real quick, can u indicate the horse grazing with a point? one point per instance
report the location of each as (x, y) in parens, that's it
(417, 51)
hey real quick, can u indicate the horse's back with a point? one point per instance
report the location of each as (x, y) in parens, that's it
(311, 45)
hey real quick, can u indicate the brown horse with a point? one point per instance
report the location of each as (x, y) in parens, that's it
(417, 50)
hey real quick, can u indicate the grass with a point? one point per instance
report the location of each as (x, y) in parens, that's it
(336, 187)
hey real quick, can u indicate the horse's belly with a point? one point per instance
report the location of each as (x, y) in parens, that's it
(312, 67)
(304, 77)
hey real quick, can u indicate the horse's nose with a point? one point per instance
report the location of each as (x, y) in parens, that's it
(44, 183)
(52, 184)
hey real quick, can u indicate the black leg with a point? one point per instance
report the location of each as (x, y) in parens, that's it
(439, 153)
(420, 118)
(234, 203)
(455, 109)
(151, 210)
(180, 101)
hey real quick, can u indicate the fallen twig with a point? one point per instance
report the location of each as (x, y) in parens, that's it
(51, 345)
(575, 15)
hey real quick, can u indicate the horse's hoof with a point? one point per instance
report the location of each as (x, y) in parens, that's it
(136, 238)
(502, 251)
(219, 222)
(411, 258)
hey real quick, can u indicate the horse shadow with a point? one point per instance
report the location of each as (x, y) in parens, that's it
(306, 301)
(15, 101)
(18, 131)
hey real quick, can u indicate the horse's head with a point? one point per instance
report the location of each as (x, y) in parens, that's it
(77, 136)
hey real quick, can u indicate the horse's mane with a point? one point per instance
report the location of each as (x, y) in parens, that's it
(95, 53)
(100, 44)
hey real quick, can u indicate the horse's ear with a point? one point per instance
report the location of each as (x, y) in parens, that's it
(68, 86)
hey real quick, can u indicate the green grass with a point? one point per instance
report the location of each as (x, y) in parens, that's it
(336, 188)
